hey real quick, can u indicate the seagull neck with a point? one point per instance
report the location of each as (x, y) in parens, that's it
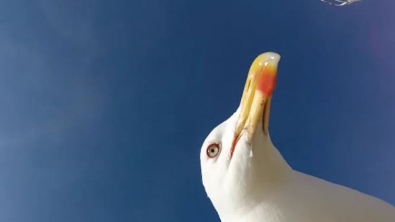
(269, 164)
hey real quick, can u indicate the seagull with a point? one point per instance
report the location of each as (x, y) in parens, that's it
(247, 179)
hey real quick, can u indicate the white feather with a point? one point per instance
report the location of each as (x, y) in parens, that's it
(257, 185)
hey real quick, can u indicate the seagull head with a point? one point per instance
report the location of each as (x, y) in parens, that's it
(240, 166)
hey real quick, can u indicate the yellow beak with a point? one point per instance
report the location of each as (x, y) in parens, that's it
(258, 90)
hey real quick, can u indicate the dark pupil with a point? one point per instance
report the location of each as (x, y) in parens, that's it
(212, 150)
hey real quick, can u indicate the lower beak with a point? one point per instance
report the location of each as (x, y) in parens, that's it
(258, 90)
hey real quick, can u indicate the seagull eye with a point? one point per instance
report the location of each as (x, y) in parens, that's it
(213, 150)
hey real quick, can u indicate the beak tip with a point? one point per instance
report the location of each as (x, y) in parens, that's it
(267, 80)
(267, 59)
(271, 57)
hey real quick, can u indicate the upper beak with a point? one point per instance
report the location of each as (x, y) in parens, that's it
(258, 90)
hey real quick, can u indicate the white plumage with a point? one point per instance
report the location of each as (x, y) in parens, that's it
(254, 183)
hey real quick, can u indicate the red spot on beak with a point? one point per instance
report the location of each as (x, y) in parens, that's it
(267, 82)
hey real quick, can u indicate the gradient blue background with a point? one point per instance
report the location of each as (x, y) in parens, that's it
(104, 104)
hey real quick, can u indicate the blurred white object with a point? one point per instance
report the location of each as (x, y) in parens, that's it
(340, 2)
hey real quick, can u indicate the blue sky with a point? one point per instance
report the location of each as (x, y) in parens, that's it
(104, 104)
